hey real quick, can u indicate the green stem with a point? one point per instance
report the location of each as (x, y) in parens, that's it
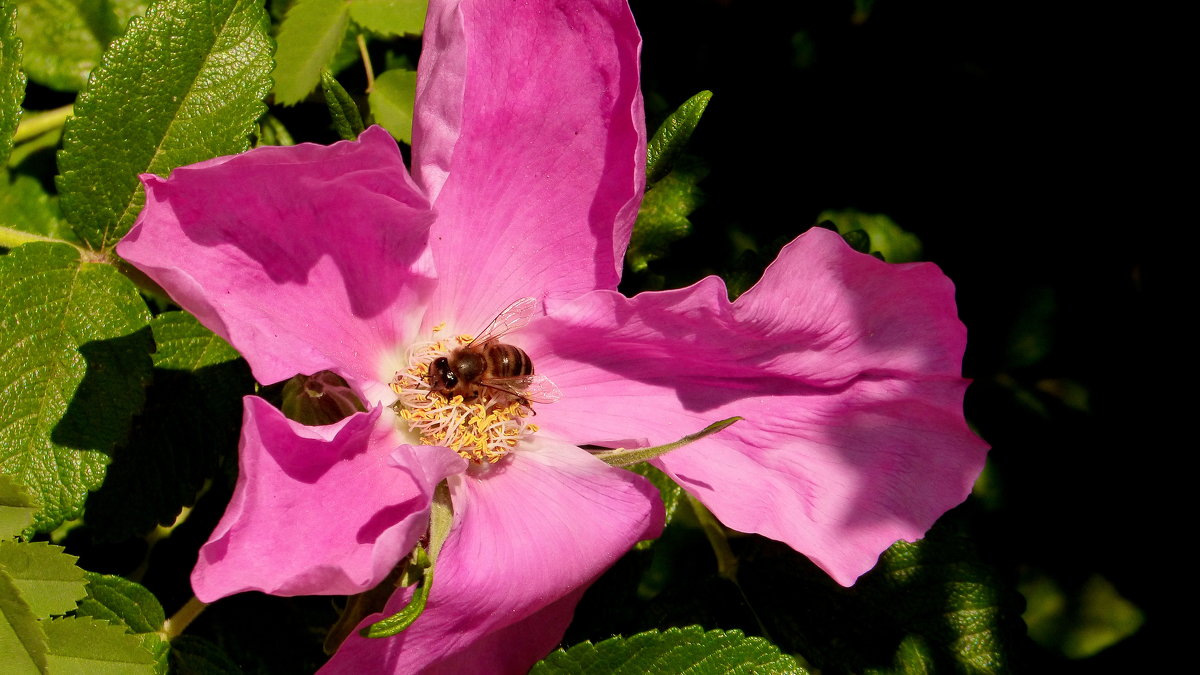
(174, 626)
(38, 123)
(727, 562)
(362, 49)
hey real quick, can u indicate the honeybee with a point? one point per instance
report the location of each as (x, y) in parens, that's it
(487, 363)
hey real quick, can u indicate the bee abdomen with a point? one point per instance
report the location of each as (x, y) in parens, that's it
(508, 361)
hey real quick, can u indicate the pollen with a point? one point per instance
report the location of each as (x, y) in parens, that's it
(483, 430)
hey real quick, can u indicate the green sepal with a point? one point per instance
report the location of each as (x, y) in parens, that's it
(396, 623)
(319, 399)
(441, 519)
(672, 136)
(76, 343)
(392, 102)
(623, 457)
(308, 38)
(347, 121)
(675, 650)
(184, 84)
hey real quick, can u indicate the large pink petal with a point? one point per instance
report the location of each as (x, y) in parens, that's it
(319, 510)
(529, 537)
(530, 132)
(845, 369)
(305, 258)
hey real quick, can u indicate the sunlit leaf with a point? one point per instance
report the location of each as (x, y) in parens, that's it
(308, 38)
(12, 80)
(22, 641)
(392, 102)
(64, 39)
(676, 650)
(390, 17)
(184, 84)
(48, 578)
(83, 645)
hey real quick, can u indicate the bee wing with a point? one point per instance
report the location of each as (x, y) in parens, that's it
(513, 317)
(536, 388)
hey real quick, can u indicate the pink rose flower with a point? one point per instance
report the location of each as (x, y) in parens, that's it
(528, 167)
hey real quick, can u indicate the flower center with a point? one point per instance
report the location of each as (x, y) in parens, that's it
(484, 429)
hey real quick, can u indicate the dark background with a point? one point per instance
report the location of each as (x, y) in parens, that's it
(1014, 141)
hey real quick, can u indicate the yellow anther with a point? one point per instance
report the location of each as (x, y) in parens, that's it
(486, 429)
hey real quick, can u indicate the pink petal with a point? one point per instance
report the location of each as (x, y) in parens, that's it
(305, 258)
(319, 510)
(529, 537)
(846, 370)
(530, 133)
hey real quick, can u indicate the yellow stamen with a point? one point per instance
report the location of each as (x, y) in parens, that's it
(484, 430)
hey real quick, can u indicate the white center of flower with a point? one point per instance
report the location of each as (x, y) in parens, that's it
(484, 429)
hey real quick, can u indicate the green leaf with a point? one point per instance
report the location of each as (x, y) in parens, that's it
(952, 600)
(17, 506)
(48, 578)
(390, 17)
(392, 102)
(913, 657)
(22, 641)
(191, 420)
(184, 84)
(1080, 620)
(308, 38)
(191, 655)
(672, 135)
(663, 215)
(119, 600)
(87, 646)
(676, 650)
(12, 80)
(75, 347)
(65, 38)
(26, 207)
(885, 235)
(347, 121)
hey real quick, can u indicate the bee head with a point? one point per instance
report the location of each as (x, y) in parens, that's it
(441, 377)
